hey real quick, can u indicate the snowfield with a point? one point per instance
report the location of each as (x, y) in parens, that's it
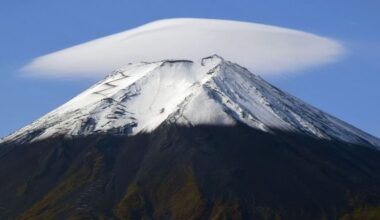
(141, 96)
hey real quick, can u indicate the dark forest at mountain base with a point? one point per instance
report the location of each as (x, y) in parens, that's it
(178, 172)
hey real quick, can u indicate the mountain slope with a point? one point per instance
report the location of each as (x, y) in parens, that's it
(213, 91)
(188, 140)
(180, 172)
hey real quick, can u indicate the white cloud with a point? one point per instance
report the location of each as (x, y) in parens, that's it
(261, 48)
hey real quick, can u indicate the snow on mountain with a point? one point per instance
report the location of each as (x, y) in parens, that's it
(141, 96)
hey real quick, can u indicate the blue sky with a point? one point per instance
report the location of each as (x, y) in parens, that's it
(348, 89)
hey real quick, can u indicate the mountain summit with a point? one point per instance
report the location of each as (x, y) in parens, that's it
(213, 91)
(179, 139)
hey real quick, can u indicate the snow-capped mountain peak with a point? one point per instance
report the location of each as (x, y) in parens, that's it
(141, 96)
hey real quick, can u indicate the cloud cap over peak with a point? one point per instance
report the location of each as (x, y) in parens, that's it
(261, 48)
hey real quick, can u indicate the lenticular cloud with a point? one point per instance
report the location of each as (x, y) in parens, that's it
(262, 48)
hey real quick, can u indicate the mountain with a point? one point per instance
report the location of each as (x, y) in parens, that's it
(213, 91)
(178, 139)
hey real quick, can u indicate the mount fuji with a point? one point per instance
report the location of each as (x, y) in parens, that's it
(140, 97)
(182, 139)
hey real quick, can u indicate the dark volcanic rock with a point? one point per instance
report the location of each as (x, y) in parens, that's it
(203, 172)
